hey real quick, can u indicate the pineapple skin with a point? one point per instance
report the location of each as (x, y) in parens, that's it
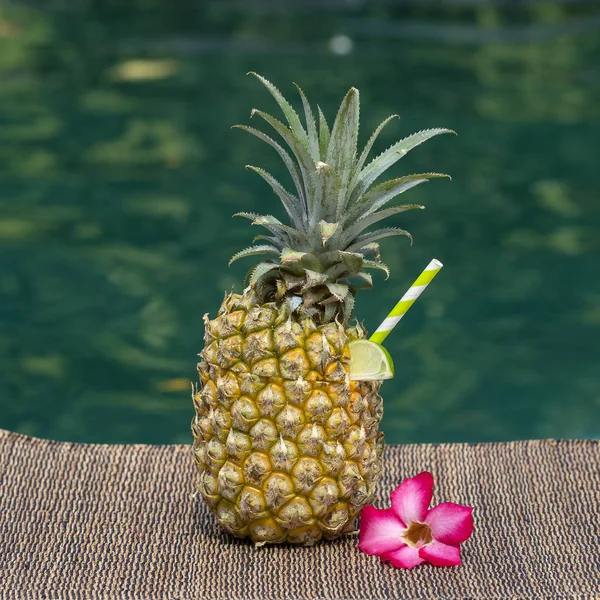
(287, 447)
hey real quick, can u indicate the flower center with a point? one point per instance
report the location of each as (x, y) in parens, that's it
(417, 535)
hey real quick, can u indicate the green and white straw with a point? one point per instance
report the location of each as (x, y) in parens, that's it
(415, 290)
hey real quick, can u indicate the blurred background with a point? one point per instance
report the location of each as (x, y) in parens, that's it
(119, 173)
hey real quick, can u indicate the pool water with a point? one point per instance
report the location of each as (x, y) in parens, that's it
(119, 174)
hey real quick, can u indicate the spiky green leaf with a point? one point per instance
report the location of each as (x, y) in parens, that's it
(253, 250)
(292, 282)
(313, 279)
(363, 276)
(379, 234)
(369, 145)
(313, 294)
(324, 134)
(386, 159)
(331, 309)
(322, 206)
(377, 264)
(341, 153)
(311, 126)
(312, 261)
(302, 155)
(348, 307)
(283, 232)
(276, 241)
(290, 202)
(290, 114)
(371, 249)
(291, 256)
(339, 290)
(261, 270)
(354, 230)
(287, 159)
(381, 194)
(353, 261)
(278, 228)
(247, 215)
(327, 230)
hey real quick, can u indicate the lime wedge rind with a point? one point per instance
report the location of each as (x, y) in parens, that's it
(369, 361)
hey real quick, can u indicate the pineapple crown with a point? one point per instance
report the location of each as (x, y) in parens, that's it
(321, 258)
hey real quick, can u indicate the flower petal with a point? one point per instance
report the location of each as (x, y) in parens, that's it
(411, 498)
(405, 558)
(380, 531)
(440, 555)
(450, 523)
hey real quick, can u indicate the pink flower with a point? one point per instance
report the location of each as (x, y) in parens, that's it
(409, 533)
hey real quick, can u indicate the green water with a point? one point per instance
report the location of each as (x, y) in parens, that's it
(119, 173)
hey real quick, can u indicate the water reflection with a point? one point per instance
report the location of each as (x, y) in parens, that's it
(119, 174)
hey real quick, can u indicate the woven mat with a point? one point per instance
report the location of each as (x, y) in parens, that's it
(100, 521)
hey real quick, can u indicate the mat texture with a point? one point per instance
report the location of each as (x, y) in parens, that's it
(99, 521)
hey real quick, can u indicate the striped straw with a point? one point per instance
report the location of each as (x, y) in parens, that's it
(415, 290)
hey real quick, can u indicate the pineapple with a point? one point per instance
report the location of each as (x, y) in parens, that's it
(287, 446)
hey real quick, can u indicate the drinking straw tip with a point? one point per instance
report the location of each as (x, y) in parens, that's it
(415, 290)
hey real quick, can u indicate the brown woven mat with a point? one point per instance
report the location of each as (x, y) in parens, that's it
(99, 521)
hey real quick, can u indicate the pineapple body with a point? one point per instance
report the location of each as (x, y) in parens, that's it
(288, 448)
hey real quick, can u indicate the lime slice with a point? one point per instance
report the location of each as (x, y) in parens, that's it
(369, 361)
